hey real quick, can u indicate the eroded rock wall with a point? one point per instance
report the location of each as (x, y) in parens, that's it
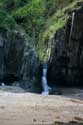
(18, 59)
(66, 60)
(11, 53)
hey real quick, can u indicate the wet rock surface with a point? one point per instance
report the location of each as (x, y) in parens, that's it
(11, 89)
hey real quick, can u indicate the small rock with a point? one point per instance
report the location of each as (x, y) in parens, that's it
(34, 120)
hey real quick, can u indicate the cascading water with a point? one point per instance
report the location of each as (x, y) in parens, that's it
(44, 81)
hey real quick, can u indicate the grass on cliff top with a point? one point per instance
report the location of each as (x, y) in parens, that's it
(58, 20)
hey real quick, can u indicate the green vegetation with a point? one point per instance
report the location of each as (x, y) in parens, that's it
(6, 21)
(39, 18)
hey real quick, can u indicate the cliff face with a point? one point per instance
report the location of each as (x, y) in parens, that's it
(18, 60)
(66, 60)
(11, 52)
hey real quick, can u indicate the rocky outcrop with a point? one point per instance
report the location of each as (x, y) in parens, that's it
(30, 66)
(66, 60)
(18, 60)
(11, 53)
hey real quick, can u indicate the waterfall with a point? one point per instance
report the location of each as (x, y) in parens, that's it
(44, 81)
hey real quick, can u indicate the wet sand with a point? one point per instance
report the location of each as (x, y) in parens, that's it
(28, 109)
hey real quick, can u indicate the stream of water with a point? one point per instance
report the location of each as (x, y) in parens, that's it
(44, 81)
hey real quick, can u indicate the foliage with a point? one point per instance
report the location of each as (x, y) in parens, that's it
(31, 17)
(10, 5)
(39, 18)
(6, 21)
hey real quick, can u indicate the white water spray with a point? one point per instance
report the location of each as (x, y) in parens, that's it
(44, 81)
(2, 84)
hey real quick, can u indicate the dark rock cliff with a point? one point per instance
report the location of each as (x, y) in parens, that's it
(18, 60)
(11, 53)
(66, 60)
